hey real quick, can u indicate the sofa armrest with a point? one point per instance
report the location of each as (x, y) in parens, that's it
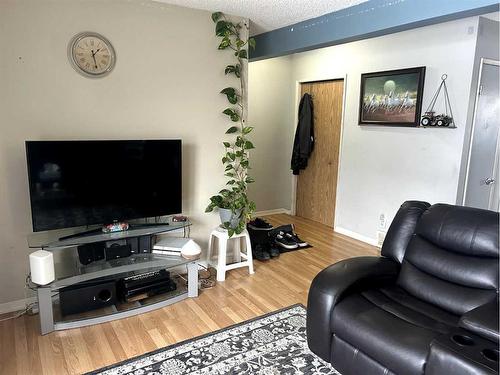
(483, 321)
(331, 284)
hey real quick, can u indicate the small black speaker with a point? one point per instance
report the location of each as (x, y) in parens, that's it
(89, 296)
(117, 250)
(91, 252)
(144, 244)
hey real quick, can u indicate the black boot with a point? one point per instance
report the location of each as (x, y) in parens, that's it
(260, 253)
(274, 251)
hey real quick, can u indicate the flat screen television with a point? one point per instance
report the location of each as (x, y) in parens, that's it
(77, 183)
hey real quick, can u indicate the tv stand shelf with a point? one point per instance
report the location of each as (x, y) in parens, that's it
(75, 273)
(77, 240)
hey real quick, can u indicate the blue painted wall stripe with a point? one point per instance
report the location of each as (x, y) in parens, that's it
(365, 20)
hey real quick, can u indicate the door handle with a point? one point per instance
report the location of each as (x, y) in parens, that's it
(489, 181)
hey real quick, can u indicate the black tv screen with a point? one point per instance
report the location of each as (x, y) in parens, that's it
(76, 183)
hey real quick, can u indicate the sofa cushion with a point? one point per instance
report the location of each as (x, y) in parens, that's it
(391, 326)
(452, 259)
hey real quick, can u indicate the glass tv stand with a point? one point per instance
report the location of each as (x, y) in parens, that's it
(73, 273)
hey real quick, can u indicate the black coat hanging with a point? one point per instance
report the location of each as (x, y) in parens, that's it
(303, 143)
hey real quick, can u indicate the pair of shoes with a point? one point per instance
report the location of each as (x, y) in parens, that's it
(262, 247)
(289, 240)
(260, 224)
(265, 252)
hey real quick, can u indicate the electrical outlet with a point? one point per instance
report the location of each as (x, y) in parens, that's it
(382, 221)
(380, 238)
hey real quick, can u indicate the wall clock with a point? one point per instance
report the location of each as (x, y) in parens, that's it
(91, 54)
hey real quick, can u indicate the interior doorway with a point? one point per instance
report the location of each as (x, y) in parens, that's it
(481, 184)
(316, 186)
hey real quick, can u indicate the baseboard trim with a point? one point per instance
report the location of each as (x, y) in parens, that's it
(17, 305)
(356, 236)
(272, 212)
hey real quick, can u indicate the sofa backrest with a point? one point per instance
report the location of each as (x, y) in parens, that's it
(452, 258)
(402, 229)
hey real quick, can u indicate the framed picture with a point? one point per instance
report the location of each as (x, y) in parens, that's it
(392, 98)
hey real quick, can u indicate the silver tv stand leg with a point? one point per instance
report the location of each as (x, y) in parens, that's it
(45, 311)
(192, 279)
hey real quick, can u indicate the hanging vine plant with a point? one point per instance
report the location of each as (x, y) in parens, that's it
(236, 150)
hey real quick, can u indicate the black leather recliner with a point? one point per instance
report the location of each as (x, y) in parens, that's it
(427, 305)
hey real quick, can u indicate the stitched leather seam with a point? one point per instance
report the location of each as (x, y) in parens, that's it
(445, 280)
(438, 319)
(415, 324)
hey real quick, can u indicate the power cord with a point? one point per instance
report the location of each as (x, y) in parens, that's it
(20, 313)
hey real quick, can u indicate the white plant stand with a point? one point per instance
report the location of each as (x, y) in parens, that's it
(241, 259)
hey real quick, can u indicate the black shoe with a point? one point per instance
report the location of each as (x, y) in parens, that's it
(259, 223)
(282, 240)
(292, 236)
(274, 251)
(260, 254)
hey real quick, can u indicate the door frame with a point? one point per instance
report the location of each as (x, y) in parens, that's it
(483, 61)
(298, 84)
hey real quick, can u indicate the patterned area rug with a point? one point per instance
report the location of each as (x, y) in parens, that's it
(273, 344)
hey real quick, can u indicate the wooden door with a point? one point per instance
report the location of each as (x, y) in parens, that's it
(317, 184)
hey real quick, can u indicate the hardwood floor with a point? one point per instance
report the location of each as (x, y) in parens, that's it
(277, 283)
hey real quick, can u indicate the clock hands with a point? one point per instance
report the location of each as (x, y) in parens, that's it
(93, 56)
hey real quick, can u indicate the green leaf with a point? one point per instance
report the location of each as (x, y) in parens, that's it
(247, 129)
(239, 141)
(229, 167)
(233, 115)
(251, 43)
(232, 129)
(249, 180)
(230, 92)
(227, 144)
(241, 54)
(237, 70)
(249, 145)
(239, 43)
(231, 182)
(231, 156)
(229, 174)
(216, 16)
(230, 69)
(226, 42)
(224, 160)
(222, 28)
(230, 232)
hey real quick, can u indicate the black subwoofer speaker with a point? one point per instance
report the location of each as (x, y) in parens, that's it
(90, 296)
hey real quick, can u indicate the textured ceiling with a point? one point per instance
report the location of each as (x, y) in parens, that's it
(266, 15)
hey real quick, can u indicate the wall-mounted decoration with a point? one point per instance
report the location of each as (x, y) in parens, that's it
(91, 54)
(443, 120)
(392, 97)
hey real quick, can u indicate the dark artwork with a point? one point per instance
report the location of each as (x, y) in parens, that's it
(392, 97)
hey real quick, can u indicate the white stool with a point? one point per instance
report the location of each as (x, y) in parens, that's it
(222, 238)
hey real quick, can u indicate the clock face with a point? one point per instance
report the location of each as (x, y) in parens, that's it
(91, 54)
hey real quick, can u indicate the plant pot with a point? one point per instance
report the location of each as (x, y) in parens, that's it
(227, 215)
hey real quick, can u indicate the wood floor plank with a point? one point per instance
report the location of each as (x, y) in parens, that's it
(276, 283)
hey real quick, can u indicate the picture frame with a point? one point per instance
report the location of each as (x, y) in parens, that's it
(392, 97)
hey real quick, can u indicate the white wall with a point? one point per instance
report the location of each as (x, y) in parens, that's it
(271, 112)
(383, 166)
(165, 84)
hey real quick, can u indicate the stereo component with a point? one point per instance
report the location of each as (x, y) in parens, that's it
(89, 253)
(89, 296)
(116, 251)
